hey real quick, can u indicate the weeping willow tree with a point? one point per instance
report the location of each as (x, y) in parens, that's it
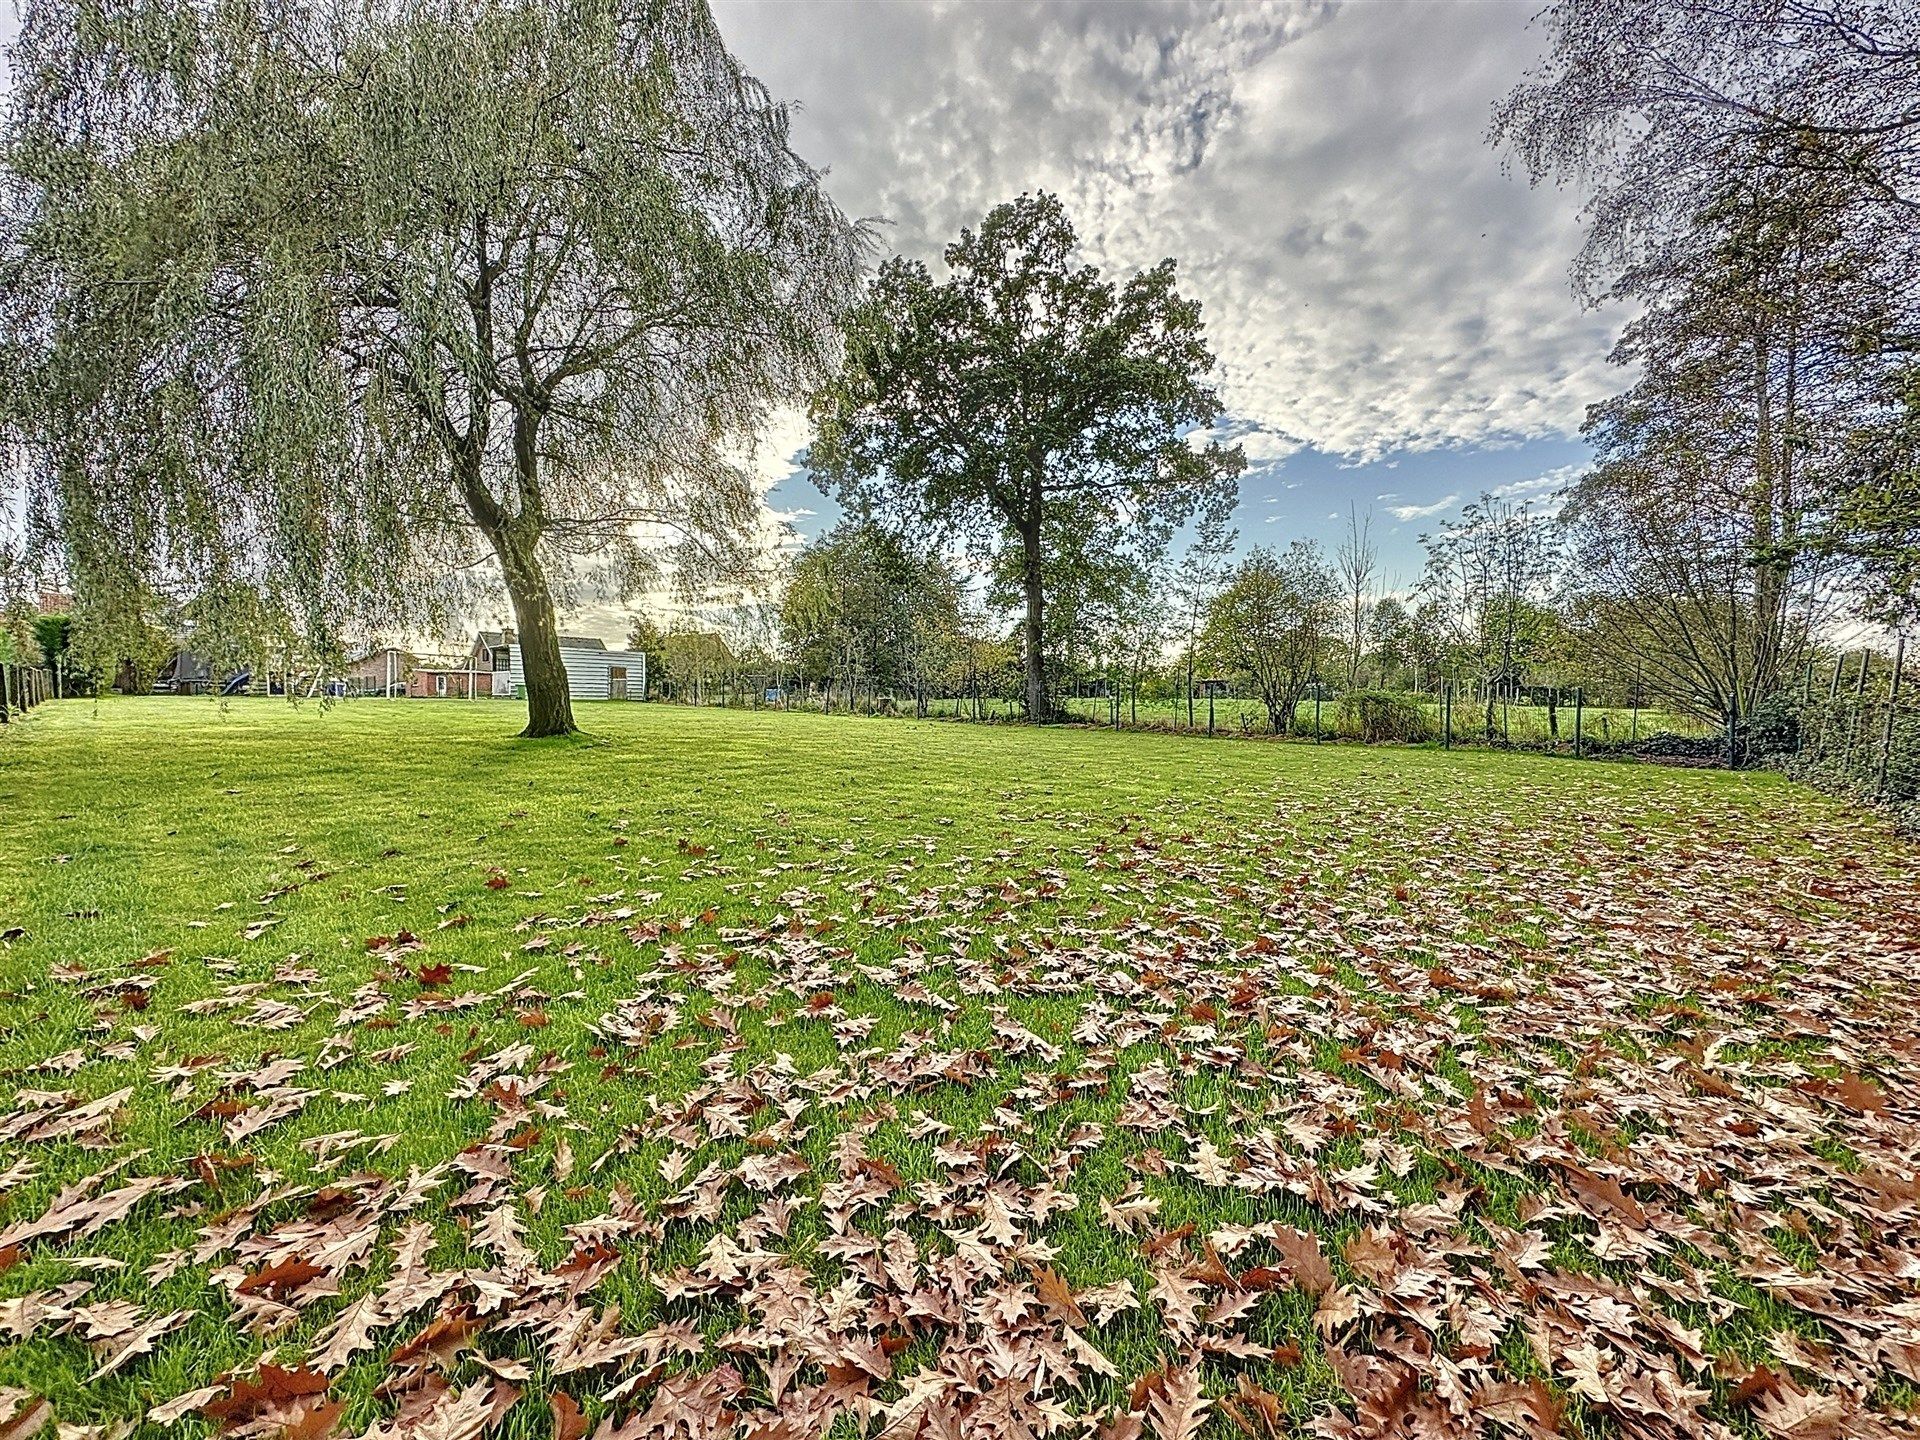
(324, 304)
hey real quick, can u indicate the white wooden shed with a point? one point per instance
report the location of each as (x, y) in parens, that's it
(593, 671)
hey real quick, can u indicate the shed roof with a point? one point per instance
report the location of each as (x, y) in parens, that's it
(494, 639)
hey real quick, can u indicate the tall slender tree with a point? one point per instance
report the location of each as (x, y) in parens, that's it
(1489, 574)
(1202, 571)
(1356, 558)
(1753, 179)
(1046, 413)
(326, 302)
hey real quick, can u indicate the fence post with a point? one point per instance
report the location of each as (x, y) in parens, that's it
(1859, 703)
(1579, 702)
(1893, 702)
(1446, 714)
(1209, 709)
(1316, 712)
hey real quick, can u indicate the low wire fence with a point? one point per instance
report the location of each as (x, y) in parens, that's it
(1859, 737)
(1852, 730)
(1564, 720)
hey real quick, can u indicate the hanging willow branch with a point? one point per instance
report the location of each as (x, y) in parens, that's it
(313, 302)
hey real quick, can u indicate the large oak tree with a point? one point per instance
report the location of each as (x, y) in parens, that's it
(324, 303)
(1027, 403)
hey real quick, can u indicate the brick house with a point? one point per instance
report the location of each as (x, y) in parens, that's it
(449, 682)
(381, 670)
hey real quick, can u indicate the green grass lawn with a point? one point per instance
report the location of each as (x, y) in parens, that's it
(782, 1075)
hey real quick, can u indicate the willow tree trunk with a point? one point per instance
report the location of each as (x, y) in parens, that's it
(549, 702)
(515, 537)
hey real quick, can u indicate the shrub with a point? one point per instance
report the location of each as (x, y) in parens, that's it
(1373, 716)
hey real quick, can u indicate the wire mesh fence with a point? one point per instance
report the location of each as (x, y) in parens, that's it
(1861, 738)
(1853, 729)
(1568, 720)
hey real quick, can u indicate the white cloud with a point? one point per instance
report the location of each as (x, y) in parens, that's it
(1548, 482)
(1422, 512)
(1265, 447)
(1371, 281)
(1261, 447)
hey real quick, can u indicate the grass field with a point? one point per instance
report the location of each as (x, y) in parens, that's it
(366, 1070)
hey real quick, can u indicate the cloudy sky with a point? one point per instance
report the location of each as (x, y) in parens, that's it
(1392, 313)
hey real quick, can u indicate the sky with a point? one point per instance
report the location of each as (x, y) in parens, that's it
(1392, 313)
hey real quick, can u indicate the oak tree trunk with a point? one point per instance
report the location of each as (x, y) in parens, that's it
(1038, 708)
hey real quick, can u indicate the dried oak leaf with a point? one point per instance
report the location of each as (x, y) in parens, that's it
(23, 1415)
(280, 1279)
(1175, 1406)
(1301, 1251)
(1055, 1293)
(568, 1422)
(441, 1342)
(273, 1389)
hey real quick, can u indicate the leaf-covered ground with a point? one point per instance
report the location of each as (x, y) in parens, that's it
(367, 1072)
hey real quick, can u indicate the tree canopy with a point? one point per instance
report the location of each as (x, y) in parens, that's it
(1044, 412)
(1274, 623)
(1489, 575)
(863, 606)
(325, 304)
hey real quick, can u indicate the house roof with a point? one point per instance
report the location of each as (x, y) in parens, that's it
(494, 639)
(380, 650)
